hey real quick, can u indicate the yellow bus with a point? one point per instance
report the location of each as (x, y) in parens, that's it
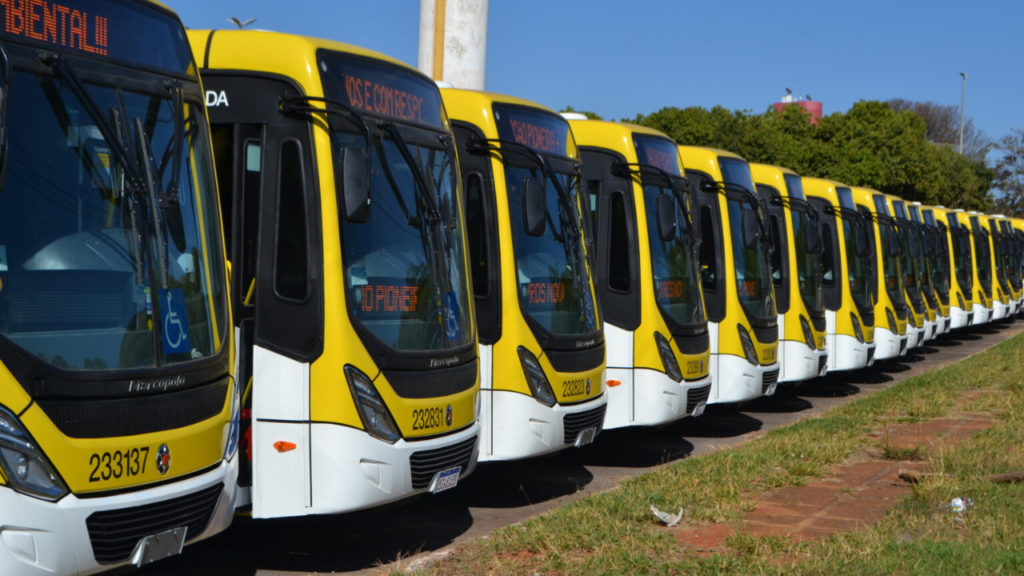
(638, 206)
(542, 346)
(892, 337)
(351, 295)
(848, 265)
(794, 229)
(922, 315)
(962, 278)
(118, 413)
(1016, 229)
(1003, 300)
(735, 275)
(934, 261)
(984, 275)
(1012, 255)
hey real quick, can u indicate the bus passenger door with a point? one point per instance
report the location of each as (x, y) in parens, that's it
(276, 280)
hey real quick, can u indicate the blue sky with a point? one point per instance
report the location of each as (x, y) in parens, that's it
(597, 55)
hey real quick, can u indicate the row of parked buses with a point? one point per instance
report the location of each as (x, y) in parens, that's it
(391, 283)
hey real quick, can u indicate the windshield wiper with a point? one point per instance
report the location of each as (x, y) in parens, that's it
(674, 183)
(170, 196)
(423, 184)
(300, 105)
(154, 204)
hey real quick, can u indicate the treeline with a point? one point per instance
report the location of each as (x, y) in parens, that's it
(870, 145)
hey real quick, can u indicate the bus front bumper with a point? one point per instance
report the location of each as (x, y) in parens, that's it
(847, 353)
(737, 380)
(52, 538)
(650, 398)
(521, 427)
(888, 344)
(999, 310)
(914, 338)
(801, 362)
(958, 318)
(982, 315)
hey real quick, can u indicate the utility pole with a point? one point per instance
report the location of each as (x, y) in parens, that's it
(963, 98)
(453, 41)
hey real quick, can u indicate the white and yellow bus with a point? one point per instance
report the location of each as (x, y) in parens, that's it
(351, 294)
(849, 267)
(960, 263)
(921, 315)
(118, 412)
(735, 275)
(794, 229)
(933, 261)
(981, 264)
(639, 206)
(542, 346)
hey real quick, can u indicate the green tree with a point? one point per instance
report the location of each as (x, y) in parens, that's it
(1009, 174)
(591, 115)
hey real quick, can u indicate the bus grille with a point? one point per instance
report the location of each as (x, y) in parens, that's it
(770, 377)
(970, 318)
(696, 396)
(426, 464)
(133, 416)
(822, 362)
(433, 383)
(575, 423)
(903, 346)
(115, 533)
(871, 354)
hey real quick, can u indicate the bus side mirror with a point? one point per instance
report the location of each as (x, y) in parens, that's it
(751, 229)
(812, 237)
(894, 243)
(860, 241)
(355, 174)
(665, 208)
(534, 206)
(912, 244)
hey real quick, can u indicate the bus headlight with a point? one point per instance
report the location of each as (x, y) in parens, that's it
(668, 358)
(808, 335)
(892, 321)
(236, 411)
(536, 378)
(912, 319)
(24, 464)
(857, 331)
(748, 345)
(960, 299)
(374, 414)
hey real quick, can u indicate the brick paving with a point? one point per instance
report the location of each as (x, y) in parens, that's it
(853, 496)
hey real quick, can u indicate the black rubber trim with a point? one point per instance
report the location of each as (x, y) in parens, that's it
(206, 54)
(434, 383)
(576, 360)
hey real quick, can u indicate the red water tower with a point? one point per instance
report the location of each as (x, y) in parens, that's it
(812, 106)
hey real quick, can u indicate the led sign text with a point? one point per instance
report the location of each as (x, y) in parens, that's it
(661, 159)
(668, 289)
(382, 99)
(389, 298)
(536, 137)
(545, 293)
(56, 24)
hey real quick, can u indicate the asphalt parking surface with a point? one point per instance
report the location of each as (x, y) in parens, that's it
(499, 494)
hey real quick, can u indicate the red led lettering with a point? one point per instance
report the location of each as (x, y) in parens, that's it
(661, 159)
(389, 298)
(537, 137)
(669, 289)
(545, 293)
(56, 24)
(382, 99)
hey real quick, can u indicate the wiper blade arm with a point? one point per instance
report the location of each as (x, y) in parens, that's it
(426, 190)
(70, 78)
(170, 196)
(301, 105)
(154, 205)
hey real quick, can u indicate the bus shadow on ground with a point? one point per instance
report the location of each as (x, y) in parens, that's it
(634, 448)
(342, 543)
(784, 401)
(719, 421)
(521, 483)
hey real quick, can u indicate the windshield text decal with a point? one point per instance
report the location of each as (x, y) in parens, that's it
(387, 298)
(56, 24)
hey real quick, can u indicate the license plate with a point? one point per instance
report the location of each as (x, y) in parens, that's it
(447, 479)
(771, 389)
(699, 408)
(586, 436)
(159, 546)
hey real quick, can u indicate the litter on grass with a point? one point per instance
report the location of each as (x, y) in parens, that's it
(669, 519)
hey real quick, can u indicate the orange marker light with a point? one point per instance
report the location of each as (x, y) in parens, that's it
(613, 383)
(282, 446)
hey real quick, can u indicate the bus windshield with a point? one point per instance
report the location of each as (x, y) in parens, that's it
(753, 280)
(962, 259)
(110, 249)
(676, 274)
(984, 257)
(891, 266)
(912, 270)
(552, 271)
(861, 274)
(405, 266)
(807, 263)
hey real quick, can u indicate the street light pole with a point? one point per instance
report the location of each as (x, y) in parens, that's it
(963, 98)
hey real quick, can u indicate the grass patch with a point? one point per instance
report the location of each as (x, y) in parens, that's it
(890, 452)
(614, 532)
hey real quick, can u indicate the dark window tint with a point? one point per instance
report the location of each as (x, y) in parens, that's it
(251, 182)
(828, 266)
(476, 233)
(593, 195)
(291, 254)
(708, 267)
(776, 251)
(619, 246)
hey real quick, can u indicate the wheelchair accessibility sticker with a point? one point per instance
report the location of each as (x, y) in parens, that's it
(174, 322)
(452, 321)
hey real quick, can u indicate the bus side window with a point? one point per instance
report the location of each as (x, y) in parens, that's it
(828, 273)
(777, 250)
(476, 234)
(708, 266)
(618, 246)
(593, 195)
(291, 256)
(251, 182)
